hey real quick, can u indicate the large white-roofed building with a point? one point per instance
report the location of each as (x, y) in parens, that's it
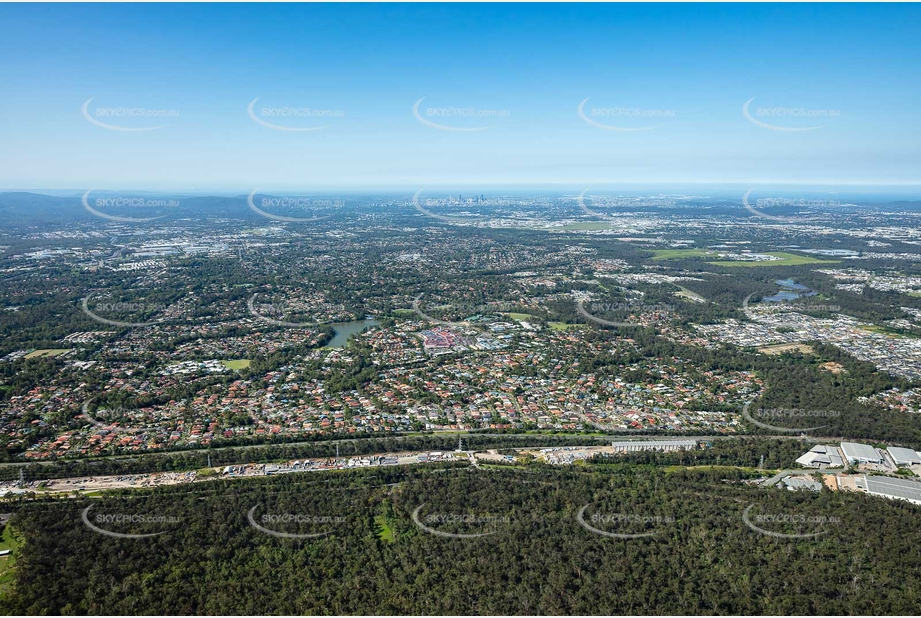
(904, 456)
(856, 453)
(794, 483)
(654, 445)
(820, 456)
(888, 487)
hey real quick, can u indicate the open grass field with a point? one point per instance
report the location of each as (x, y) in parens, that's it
(780, 348)
(883, 330)
(10, 541)
(38, 353)
(679, 254)
(384, 531)
(561, 326)
(692, 296)
(236, 364)
(521, 316)
(786, 259)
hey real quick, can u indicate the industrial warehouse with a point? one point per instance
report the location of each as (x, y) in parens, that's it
(856, 454)
(887, 487)
(904, 456)
(653, 445)
(866, 458)
(822, 457)
(861, 453)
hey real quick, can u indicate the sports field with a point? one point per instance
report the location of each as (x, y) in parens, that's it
(38, 353)
(236, 364)
(786, 259)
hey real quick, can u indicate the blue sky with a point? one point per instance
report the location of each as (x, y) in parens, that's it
(684, 73)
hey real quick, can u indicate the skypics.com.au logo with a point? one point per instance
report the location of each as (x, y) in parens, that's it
(589, 204)
(786, 202)
(622, 522)
(788, 119)
(786, 413)
(114, 309)
(268, 522)
(789, 520)
(423, 205)
(291, 119)
(135, 520)
(647, 314)
(277, 309)
(457, 119)
(466, 309)
(624, 119)
(128, 119)
(485, 524)
(118, 419)
(106, 207)
(282, 208)
(785, 306)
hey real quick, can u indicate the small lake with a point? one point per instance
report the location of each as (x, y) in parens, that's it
(791, 284)
(781, 297)
(344, 330)
(790, 290)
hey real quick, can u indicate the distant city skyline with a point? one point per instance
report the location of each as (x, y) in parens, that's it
(224, 99)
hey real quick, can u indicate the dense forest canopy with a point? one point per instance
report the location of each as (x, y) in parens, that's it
(519, 546)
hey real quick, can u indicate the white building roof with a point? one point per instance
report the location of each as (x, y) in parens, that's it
(855, 451)
(808, 459)
(904, 455)
(894, 488)
(650, 444)
(802, 483)
(820, 455)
